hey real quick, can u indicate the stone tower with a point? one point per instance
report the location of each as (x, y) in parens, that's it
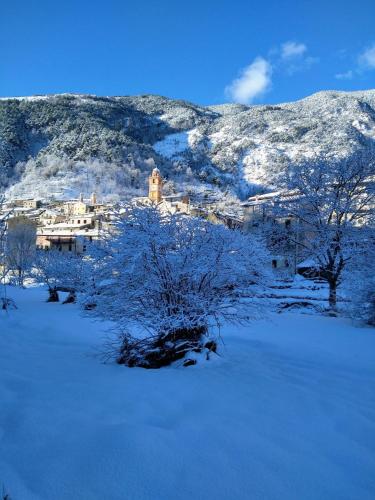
(155, 183)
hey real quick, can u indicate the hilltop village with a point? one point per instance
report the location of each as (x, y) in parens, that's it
(71, 225)
(67, 225)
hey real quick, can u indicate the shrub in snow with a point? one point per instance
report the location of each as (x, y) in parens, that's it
(4, 494)
(173, 279)
(7, 303)
(365, 302)
(59, 271)
(359, 283)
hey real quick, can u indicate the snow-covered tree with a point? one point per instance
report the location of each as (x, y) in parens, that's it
(4, 268)
(3, 218)
(333, 206)
(173, 279)
(59, 271)
(359, 282)
(20, 247)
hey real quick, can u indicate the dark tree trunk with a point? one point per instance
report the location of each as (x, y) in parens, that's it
(20, 277)
(71, 298)
(332, 294)
(53, 295)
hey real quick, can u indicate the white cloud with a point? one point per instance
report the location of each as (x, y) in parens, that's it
(254, 81)
(290, 50)
(366, 60)
(303, 64)
(348, 75)
(293, 58)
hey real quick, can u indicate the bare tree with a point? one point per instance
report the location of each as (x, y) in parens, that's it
(333, 205)
(3, 219)
(4, 268)
(20, 246)
(59, 271)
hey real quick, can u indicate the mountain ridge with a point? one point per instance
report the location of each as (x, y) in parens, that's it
(56, 145)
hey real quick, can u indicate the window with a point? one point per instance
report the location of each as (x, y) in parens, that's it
(70, 247)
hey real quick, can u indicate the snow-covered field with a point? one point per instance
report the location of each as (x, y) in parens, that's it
(287, 412)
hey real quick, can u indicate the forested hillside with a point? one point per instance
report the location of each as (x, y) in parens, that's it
(58, 145)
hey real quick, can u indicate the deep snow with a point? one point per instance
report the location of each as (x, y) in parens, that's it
(287, 412)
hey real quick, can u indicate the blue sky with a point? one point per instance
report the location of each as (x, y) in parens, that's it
(205, 51)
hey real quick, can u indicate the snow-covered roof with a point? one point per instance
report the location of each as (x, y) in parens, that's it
(307, 263)
(51, 213)
(267, 197)
(47, 233)
(22, 209)
(61, 225)
(82, 216)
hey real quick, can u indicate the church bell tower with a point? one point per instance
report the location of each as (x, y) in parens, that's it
(155, 183)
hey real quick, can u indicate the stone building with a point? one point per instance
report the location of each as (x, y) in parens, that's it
(50, 216)
(72, 235)
(27, 204)
(81, 206)
(155, 186)
(172, 204)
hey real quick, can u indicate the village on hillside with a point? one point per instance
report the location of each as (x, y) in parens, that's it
(70, 225)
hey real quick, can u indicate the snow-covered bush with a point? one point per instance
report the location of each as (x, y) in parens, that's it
(364, 301)
(359, 283)
(59, 271)
(173, 279)
(4, 494)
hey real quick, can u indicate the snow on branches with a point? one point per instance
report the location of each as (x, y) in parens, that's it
(334, 207)
(59, 271)
(174, 279)
(359, 282)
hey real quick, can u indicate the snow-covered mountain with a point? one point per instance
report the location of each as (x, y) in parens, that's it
(57, 145)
